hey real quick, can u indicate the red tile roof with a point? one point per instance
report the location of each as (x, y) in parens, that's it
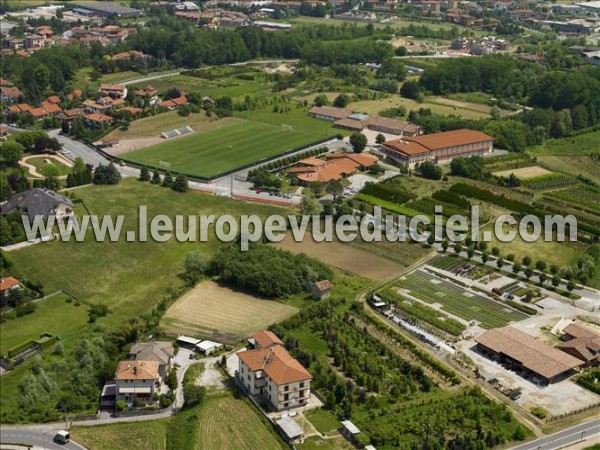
(277, 363)
(98, 118)
(265, 339)
(452, 138)
(137, 370)
(8, 283)
(54, 99)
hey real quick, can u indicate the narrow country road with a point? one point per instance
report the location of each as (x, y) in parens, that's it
(588, 432)
(40, 438)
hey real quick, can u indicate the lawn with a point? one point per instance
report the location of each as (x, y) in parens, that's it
(214, 151)
(130, 277)
(221, 313)
(323, 420)
(151, 435)
(52, 315)
(49, 167)
(154, 125)
(457, 301)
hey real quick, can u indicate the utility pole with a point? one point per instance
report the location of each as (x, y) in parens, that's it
(231, 186)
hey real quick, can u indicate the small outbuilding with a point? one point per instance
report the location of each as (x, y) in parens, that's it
(349, 430)
(187, 342)
(321, 289)
(291, 431)
(207, 347)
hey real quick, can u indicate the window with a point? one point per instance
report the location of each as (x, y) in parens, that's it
(286, 397)
(302, 384)
(286, 388)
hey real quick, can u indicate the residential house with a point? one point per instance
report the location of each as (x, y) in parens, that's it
(34, 41)
(113, 90)
(149, 93)
(439, 148)
(174, 102)
(100, 106)
(268, 371)
(38, 202)
(137, 381)
(10, 94)
(321, 289)
(7, 286)
(336, 166)
(159, 351)
(71, 114)
(97, 120)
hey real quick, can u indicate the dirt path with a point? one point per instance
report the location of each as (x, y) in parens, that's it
(33, 170)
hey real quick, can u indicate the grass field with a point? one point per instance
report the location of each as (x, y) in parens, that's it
(524, 173)
(154, 125)
(323, 420)
(150, 435)
(577, 145)
(572, 165)
(210, 310)
(345, 257)
(130, 277)
(217, 150)
(459, 302)
(52, 315)
(226, 422)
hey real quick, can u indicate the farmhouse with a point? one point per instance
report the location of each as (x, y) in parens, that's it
(521, 351)
(337, 166)
(348, 120)
(440, 148)
(321, 289)
(162, 352)
(137, 381)
(582, 343)
(268, 371)
(38, 202)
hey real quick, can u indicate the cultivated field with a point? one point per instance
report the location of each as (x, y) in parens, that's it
(345, 257)
(524, 173)
(457, 301)
(226, 422)
(52, 315)
(217, 150)
(573, 165)
(212, 310)
(147, 435)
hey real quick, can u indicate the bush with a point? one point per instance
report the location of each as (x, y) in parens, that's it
(121, 405)
(193, 394)
(25, 308)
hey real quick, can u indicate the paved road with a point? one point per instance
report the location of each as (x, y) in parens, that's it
(40, 438)
(78, 149)
(589, 432)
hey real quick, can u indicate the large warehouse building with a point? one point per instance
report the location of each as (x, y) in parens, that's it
(520, 351)
(439, 148)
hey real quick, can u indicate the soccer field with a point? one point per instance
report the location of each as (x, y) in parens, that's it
(235, 143)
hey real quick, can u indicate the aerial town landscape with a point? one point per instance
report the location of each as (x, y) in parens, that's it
(313, 111)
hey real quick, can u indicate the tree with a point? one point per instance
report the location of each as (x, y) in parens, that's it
(500, 263)
(196, 263)
(193, 395)
(430, 170)
(554, 269)
(470, 253)
(495, 112)
(144, 174)
(171, 379)
(168, 180)
(181, 183)
(528, 272)
(543, 277)
(358, 142)
(517, 267)
(341, 101)
(380, 139)
(321, 100)
(411, 89)
(458, 248)
(445, 245)
(526, 261)
(106, 174)
(555, 281)
(335, 188)
(485, 257)
(155, 177)
(571, 285)
(495, 251)
(540, 265)
(310, 206)
(510, 257)
(10, 152)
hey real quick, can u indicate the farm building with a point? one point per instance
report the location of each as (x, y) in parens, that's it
(291, 431)
(523, 352)
(440, 148)
(348, 120)
(350, 431)
(162, 352)
(187, 342)
(268, 371)
(582, 343)
(321, 289)
(207, 347)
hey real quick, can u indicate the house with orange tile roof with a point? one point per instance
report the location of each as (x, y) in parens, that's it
(113, 90)
(136, 381)
(54, 99)
(10, 94)
(336, 166)
(97, 120)
(71, 114)
(174, 102)
(439, 148)
(75, 94)
(7, 286)
(149, 93)
(268, 371)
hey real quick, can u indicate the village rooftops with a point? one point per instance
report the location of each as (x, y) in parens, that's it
(137, 370)
(528, 351)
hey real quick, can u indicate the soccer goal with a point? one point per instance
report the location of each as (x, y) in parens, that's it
(164, 164)
(285, 127)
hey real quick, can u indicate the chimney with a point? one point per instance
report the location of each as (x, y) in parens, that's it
(135, 370)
